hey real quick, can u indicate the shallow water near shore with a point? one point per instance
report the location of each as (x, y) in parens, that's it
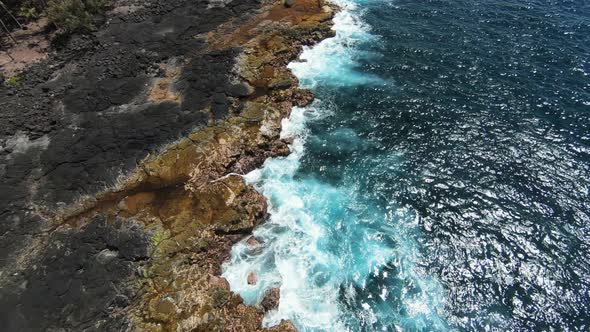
(441, 178)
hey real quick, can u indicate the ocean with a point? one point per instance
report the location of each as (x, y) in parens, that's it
(441, 178)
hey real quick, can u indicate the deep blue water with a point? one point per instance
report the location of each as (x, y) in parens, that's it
(441, 180)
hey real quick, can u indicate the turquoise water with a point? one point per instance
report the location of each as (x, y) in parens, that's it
(440, 181)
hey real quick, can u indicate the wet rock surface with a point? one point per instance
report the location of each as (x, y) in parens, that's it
(120, 164)
(252, 278)
(271, 299)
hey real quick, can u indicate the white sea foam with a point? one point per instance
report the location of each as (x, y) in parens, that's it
(291, 257)
(334, 61)
(319, 242)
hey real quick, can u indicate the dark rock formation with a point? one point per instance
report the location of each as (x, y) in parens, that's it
(79, 120)
(271, 299)
(116, 206)
(76, 122)
(78, 280)
(253, 242)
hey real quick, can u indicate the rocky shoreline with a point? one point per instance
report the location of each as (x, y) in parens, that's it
(109, 220)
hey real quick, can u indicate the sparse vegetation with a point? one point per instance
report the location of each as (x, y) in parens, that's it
(157, 238)
(74, 15)
(28, 12)
(67, 15)
(14, 79)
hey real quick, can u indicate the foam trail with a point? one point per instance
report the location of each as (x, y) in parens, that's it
(291, 257)
(335, 256)
(334, 60)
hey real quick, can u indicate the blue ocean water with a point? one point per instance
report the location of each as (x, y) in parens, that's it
(441, 179)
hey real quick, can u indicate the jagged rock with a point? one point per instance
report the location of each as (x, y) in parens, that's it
(253, 242)
(281, 83)
(101, 121)
(219, 282)
(280, 148)
(73, 282)
(252, 278)
(254, 245)
(303, 97)
(241, 89)
(288, 3)
(220, 297)
(271, 299)
(121, 301)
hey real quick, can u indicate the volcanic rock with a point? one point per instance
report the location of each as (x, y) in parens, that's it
(252, 278)
(241, 89)
(120, 164)
(271, 299)
(253, 242)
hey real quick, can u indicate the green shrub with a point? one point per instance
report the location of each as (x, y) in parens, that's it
(14, 79)
(27, 12)
(74, 15)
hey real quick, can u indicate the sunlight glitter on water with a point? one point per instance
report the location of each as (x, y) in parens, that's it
(325, 246)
